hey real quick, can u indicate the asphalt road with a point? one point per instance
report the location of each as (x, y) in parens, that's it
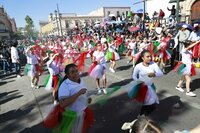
(23, 108)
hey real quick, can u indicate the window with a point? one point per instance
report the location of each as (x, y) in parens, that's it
(108, 12)
(66, 24)
(126, 13)
(118, 14)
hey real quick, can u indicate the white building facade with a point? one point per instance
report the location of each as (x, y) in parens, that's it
(60, 25)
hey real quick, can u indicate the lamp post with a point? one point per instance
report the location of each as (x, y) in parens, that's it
(177, 11)
(57, 17)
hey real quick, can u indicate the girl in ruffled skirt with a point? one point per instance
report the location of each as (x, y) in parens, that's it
(186, 68)
(98, 69)
(143, 89)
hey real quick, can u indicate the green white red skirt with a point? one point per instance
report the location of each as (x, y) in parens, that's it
(185, 69)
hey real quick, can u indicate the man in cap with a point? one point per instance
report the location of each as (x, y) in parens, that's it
(182, 35)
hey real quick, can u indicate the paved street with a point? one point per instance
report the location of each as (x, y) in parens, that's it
(23, 108)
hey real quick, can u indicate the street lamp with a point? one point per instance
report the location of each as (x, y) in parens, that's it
(58, 17)
(55, 18)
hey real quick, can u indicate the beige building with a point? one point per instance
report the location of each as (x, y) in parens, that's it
(58, 25)
(7, 25)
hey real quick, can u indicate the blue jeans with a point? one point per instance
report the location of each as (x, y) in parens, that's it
(6, 66)
(17, 67)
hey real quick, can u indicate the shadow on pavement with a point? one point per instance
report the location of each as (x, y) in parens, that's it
(10, 77)
(168, 107)
(120, 83)
(5, 82)
(6, 93)
(12, 97)
(36, 128)
(195, 84)
(121, 68)
(14, 114)
(115, 111)
(111, 115)
(91, 92)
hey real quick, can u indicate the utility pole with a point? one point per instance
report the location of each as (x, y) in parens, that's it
(59, 18)
(144, 6)
(177, 11)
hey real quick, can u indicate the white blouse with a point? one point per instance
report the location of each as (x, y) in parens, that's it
(69, 88)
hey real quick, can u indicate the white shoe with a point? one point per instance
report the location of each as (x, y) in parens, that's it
(180, 89)
(99, 91)
(105, 91)
(37, 87)
(19, 76)
(32, 85)
(55, 102)
(190, 94)
(112, 70)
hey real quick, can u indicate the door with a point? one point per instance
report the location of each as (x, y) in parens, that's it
(195, 10)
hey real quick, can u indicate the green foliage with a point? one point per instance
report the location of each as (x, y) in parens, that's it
(29, 26)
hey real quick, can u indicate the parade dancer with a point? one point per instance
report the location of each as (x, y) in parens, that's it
(98, 69)
(132, 51)
(186, 68)
(54, 77)
(112, 55)
(72, 95)
(32, 67)
(143, 74)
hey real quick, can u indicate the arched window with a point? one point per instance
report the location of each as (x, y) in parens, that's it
(2, 27)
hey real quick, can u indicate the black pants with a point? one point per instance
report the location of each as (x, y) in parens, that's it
(147, 109)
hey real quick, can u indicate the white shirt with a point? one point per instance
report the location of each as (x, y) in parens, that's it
(186, 56)
(103, 40)
(32, 59)
(99, 56)
(111, 47)
(14, 55)
(132, 45)
(69, 88)
(53, 67)
(193, 37)
(143, 72)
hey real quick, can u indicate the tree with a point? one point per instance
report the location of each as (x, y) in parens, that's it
(29, 26)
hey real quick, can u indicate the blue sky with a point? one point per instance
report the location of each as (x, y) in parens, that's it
(40, 9)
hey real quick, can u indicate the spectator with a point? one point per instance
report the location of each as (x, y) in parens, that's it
(182, 35)
(6, 58)
(161, 14)
(173, 11)
(15, 59)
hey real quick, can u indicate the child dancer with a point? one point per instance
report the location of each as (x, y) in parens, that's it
(98, 68)
(144, 72)
(112, 55)
(132, 51)
(32, 67)
(186, 68)
(54, 78)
